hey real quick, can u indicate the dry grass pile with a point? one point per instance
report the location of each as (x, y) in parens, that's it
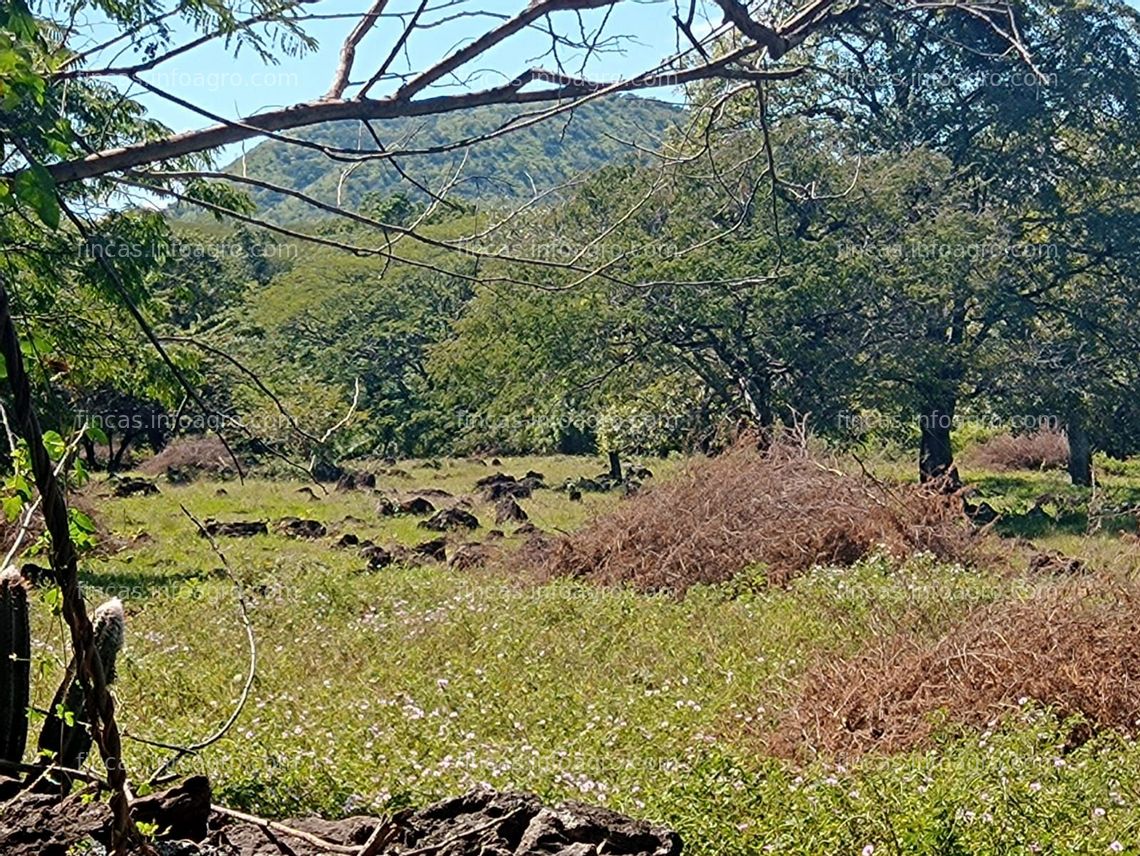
(1041, 450)
(191, 456)
(784, 509)
(1074, 650)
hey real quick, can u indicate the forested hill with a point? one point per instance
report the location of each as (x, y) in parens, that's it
(539, 157)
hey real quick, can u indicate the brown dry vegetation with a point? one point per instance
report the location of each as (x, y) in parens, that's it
(1041, 450)
(191, 456)
(785, 509)
(1074, 649)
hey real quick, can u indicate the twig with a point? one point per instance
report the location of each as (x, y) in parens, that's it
(274, 826)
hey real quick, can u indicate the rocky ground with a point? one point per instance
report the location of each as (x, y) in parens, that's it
(483, 822)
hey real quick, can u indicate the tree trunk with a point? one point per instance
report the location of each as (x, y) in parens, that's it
(90, 453)
(115, 461)
(935, 457)
(1080, 451)
(615, 466)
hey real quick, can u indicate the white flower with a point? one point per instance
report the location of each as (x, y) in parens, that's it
(1115, 846)
(869, 850)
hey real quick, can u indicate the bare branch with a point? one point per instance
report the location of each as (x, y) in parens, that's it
(348, 49)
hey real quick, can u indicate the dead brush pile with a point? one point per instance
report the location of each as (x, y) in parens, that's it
(1041, 450)
(785, 509)
(1075, 650)
(191, 456)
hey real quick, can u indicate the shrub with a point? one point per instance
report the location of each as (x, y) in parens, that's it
(786, 509)
(1072, 649)
(1041, 450)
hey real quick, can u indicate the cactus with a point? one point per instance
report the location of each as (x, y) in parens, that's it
(15, 666)
(66, 738)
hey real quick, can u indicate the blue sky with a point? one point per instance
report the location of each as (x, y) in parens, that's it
(213, 78)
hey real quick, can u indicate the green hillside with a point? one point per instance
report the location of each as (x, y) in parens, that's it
(516, 164)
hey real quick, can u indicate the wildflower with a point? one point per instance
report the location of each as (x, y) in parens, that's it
(869, 850)
(1115, 846)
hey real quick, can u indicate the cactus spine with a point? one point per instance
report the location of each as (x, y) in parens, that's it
(15, 668)
(66, 738)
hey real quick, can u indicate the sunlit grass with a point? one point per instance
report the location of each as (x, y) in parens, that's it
(376, 690)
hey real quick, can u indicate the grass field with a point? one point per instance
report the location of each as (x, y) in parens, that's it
(376, 690)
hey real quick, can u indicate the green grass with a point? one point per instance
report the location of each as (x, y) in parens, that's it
(385, 689)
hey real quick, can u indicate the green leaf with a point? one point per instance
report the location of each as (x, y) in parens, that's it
(36, 188)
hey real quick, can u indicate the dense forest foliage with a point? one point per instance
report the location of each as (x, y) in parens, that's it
(917, 239)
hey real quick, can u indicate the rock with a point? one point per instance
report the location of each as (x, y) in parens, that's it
(326, 471)
(482, 822)
(1055, 564)
(495, 535)
(296, 527)
(435, 549)
(221, 492)
(451, 518)
(535, 475)
(131, 486)
(528, 529)
(417, 506)
(44, 825)
(36, 575)
(387, 506)
(235, 528)
(433, 492)
(495, 462)
(983, 513)
(574, 494)
(569, 827)
(500, 485)
(377, 557)
(348, 539)
(179, 475)
(640, 473)
(182, 812)
(507, 510)
(470, 555)
(308, 491)
(356, 481)
(517, 824)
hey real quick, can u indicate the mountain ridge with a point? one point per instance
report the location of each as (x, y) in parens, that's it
(515, 165)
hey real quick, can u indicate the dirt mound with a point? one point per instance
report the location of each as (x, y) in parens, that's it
(1041, 450)
(1076, 650)
(783, 509)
